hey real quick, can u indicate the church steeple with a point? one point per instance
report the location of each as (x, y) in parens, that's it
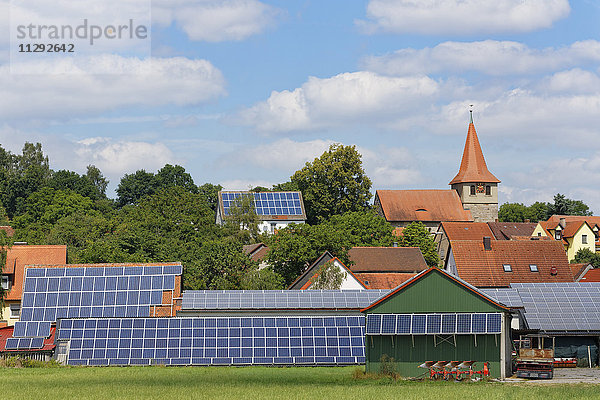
(476, 186)
(473, 167)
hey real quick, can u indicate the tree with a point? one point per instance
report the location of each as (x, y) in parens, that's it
(416, 235)
(334, 183)
(134, 187)
(69, 180)
(328, 277)
(586, 256)
(242, 219)
(565, 206)
(95, 176)
(211, 194)
(174, 176)
(5, 244)
(262, 279)
(362, 228)
(517, 212)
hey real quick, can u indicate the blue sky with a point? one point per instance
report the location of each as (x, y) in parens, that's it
(244, 92)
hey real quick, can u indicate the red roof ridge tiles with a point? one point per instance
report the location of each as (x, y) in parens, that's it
(473, 167)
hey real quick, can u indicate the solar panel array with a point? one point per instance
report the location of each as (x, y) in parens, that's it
(50, 294)
(433, 324)
(561, 306)
(278, 299)
(267, 203)
(506, 296)
(214, 341)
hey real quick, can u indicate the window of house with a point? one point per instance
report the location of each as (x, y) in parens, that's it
(488, 190)
(472, 190)
(5, 282)
(273, 227)
(507, 268)
(539, 233)
(558, 234)
(15, 310)
(584, 239)
(533, 268)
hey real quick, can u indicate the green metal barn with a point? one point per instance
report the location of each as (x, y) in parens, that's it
(436, 316)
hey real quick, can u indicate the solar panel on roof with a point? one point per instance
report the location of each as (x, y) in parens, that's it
(271, 203)
(206, 341)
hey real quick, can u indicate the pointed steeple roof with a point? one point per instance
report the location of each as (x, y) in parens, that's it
(473, 167)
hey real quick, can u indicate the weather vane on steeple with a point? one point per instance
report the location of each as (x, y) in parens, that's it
(471, 111)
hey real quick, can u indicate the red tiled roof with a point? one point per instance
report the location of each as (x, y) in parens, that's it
(484, 268)
(18, 256)
(383, 280)
(388, 259)
(591, 220)
(577, 268)
(467, 230)
(507, 230)
(9, 230)
(473, 167)
(572, 228)
(7, 332)
(422, 205)
(593, 275)
(256, 251)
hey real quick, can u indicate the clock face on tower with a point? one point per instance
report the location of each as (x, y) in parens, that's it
(480, 188)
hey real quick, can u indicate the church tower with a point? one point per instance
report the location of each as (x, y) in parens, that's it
(477, 187)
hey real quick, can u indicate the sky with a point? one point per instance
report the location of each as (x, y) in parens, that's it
(245, 92)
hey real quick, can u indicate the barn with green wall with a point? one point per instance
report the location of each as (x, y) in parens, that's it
(437, 317)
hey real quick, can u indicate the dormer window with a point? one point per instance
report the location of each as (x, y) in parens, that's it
(507, 268)
(533, 268)
(558, 233)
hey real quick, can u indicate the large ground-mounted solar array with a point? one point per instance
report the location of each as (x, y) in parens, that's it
(215, 341)
(278, 299)
(561, 307)
(53, 293)
(434, 324)
(267, 203)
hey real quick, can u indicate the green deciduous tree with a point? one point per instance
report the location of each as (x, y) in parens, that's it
(69, 180)
(328, 277)
(334, 183)
(95, 176)
(586, 256)
(416, 234)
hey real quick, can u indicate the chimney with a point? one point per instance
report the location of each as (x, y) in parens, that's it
(395, 244)
(527, 220)
(563, 222)
(487, 243)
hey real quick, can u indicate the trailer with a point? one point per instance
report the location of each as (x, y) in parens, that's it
(535, 358)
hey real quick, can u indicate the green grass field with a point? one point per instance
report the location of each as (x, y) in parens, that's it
(255, 383)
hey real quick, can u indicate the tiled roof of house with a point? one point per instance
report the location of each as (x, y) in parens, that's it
(577, 269)
(386, 259)
(467, 230)
(256, 251)
(422, 205)
(473, 167)
(7, 333)
(591, 220)
(310, 270)
(572, 228)
(18, 256)
(383, 280)
(485, 268)
(593, 275)
(506, 230)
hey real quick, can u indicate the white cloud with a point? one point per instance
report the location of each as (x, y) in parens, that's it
(489, 57)
(390, 167)
(120, 157)
(244, 184)
(284, 154)
(574, 80)
(342, 99)
(215, 21)
(433, 17)
(81, 86)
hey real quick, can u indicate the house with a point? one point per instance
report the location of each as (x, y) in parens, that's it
(450, 231)
(308, 277)
(473, 195)
(436, 316)
(13, 273)
(574, 232)
(274, 210)
(498, 263)
(44, 353)
(589, 274)
(257, 252)
(385, 267)
(401, 207)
